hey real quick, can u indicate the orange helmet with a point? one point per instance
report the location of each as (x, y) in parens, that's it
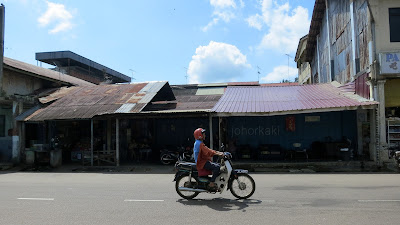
(198, 133)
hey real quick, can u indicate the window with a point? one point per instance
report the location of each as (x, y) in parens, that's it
(394, 24)
(2, 125)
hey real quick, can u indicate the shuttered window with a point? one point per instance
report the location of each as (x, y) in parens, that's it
(394, 23)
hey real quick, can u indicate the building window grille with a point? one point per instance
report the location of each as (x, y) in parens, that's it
(394, 24)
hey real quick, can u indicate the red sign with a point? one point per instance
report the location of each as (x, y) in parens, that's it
(290, 123)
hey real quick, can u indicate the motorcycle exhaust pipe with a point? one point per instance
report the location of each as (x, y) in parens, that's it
(191, 189)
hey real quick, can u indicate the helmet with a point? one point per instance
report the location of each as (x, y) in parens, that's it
(198, 133)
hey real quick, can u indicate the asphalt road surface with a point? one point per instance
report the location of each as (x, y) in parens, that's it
(127, 198)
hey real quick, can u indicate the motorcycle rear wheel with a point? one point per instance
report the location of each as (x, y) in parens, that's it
(243, 187)
(166, 159)
(183, 181)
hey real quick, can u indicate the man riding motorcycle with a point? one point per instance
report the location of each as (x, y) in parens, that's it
(203, 156)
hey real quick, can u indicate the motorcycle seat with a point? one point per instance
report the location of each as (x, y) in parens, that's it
(187, 166)
(204, 172)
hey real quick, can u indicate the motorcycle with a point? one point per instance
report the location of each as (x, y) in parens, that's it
(182, 154)
(395, 154)
(189, 183)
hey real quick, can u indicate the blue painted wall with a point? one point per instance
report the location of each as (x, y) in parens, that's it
(255, 131)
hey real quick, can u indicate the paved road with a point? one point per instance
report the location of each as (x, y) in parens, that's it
(109, 198)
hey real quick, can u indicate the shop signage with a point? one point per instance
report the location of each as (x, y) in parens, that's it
(290, 124)
(390, 63)
(255, 131)
(312, 118)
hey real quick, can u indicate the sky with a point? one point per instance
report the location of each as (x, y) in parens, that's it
(180, 41)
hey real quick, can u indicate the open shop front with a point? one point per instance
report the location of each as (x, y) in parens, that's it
(392, 114)
(144, 138)
(322, 136)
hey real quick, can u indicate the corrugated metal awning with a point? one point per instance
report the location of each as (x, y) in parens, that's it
(87, 102)
(287, 99)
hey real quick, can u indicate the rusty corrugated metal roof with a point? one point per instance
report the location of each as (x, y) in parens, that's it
(187, 100)
(286, 98)
(44, 73)
(87, 102)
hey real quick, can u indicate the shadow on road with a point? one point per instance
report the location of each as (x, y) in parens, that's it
(221, 204)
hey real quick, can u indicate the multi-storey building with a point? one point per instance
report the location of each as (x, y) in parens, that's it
(357, 43)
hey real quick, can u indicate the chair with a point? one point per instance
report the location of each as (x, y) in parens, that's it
(297, 149)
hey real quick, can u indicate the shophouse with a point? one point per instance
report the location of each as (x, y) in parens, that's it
(357, 44)
(21, 84)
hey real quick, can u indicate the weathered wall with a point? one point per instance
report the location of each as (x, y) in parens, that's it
(324, 52)
(363, 32)
(304, 73)
(6, 141)
(340, 37)
(16, 83)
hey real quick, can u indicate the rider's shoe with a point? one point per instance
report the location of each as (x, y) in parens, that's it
(212, 187)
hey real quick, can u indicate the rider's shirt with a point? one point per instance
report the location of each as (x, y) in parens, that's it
(204, 155)
(196, 149)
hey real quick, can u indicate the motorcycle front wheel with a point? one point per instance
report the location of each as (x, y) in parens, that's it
(243, 186)
(184, 181)
(166, 159)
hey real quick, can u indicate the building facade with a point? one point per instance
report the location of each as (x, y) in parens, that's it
(357, 43)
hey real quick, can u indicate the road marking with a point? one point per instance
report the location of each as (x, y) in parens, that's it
(143, 200)
(378, 200)
(37, 199)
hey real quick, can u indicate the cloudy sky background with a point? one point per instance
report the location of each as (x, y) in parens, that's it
(202, 41)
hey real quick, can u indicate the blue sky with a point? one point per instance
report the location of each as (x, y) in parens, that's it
(157, 40)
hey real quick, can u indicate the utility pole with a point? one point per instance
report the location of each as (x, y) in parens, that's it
(288, 56)
(2, 17)
(186, 76)
(258, 74)
(133, 72)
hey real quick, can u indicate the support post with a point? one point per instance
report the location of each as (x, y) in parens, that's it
(219, 132)
(117, 141)
(15, 132)
(91, 142)
(109, 126)
(211, 131)
(381, 121)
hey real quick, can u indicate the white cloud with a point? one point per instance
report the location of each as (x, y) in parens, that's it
(280, 73)
(217, 62)
(58, 16)
(223, 3)
(284, 26)
(223, 10)
(255, 21)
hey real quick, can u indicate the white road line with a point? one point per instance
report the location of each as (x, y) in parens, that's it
(378, 200)
(143, 200)
(37, 199)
